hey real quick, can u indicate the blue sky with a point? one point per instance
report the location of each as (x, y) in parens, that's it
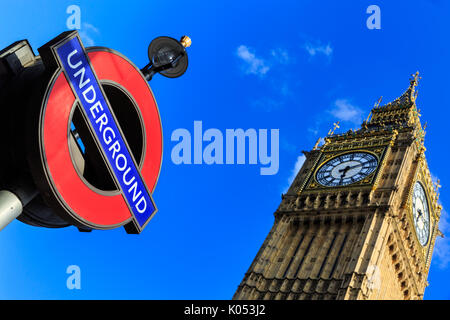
(290, 65)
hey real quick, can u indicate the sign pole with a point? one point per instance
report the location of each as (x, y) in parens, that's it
(10, 208)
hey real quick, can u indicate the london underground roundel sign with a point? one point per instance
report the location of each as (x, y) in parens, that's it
(87, 83)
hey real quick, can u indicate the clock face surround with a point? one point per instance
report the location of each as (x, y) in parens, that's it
(346, 169)
(420, 213)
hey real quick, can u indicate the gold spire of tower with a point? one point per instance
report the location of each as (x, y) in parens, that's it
(408, 98)
(398, 113)
(414, 81)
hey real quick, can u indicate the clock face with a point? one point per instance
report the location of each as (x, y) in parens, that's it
(346, 169)
(421, 213)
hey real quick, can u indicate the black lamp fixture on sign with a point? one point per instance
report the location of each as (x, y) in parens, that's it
(167, 56)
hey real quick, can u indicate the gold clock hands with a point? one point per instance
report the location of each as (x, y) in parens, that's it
(356, 166)
(419, 214)
(344, 171)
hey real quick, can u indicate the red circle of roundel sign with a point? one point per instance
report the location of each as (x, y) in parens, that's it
(78, 74)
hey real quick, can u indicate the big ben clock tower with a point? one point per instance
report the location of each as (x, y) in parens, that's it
(360, 219)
